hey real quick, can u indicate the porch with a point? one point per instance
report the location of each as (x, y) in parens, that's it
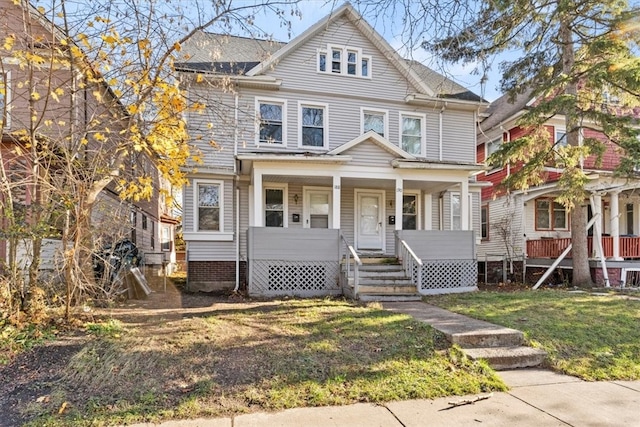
(318, 262)
(629, 247)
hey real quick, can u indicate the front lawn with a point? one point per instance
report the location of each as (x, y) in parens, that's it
(592, 337)
(239, 358)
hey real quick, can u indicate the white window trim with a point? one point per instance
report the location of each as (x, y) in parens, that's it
(285, 199)
(499, 139)
(344, 50)
(418, 206)
(306, 204)
(195, 234)
(557, 129)
(423, 130)
(267, 100)
(452, 195)
(364, 110)
(325, 118)
(7, 100)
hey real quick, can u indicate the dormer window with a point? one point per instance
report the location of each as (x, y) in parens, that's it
(345, 61)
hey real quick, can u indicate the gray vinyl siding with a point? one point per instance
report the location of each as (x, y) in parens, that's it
(369, 154)
(298, 69)
(435, 212)
(347, 213)
(212, 129)
(291, 245)
(458, 135)
(440, 245)
(211, 251)
(433, 135)
(499, 210)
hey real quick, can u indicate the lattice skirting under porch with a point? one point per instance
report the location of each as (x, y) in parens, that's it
(270, 278)
(450, 275)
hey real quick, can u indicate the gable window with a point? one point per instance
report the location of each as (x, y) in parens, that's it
(375, 120)
(412, 133)
(275, 206)
(409, 211)
(209, 206)
(271, 121)
(550, 215)
(313, 125)
(484, 222)
(5, 99)
(345, 60)
(456, 216)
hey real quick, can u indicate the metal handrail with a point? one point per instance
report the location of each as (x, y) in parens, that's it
(409, 261)
(357, 262)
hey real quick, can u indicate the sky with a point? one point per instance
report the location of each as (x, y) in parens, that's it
(314, 10)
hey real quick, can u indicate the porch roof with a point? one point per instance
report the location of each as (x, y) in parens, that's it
(294, 157)
(435, 165)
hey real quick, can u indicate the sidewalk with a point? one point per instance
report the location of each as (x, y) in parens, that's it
(537, 398)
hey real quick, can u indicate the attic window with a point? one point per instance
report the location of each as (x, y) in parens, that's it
(345, 61)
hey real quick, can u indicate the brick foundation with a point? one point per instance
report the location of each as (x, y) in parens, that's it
(208, 276)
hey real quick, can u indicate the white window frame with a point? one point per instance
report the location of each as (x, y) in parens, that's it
(499, 141)
(385, 113)
(486, 236)
(275, 101)
(7, 101)
(325, 121)
(415, 193)
(285, 201)
(556, 130)
(423, 131)
(344, 61)
(207, 235)
(165, 229)
(452, 195)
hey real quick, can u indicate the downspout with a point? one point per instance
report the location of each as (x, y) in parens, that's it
(237, 192)
(440, 132)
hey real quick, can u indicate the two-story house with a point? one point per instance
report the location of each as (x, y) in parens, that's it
(42, 98)
(322, 152)
(531, 229)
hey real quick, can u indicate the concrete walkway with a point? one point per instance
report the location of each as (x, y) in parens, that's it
(537, 398)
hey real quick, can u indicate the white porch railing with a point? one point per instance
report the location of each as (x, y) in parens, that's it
(351, 252)
(411, 264)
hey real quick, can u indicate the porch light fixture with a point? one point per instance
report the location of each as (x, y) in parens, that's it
(295, 198)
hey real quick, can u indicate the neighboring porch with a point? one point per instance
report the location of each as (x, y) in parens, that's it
(629, 247)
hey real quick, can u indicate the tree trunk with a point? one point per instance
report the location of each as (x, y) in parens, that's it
(580, 254)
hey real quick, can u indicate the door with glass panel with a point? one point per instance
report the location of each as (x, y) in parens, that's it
(317, 209)
(369, 220)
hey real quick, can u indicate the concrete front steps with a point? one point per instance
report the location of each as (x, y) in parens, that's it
(501, 347)
(382, 279)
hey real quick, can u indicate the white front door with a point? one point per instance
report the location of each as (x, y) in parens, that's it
(369, 220)
(317, 208)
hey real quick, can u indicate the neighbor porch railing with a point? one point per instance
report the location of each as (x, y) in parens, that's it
(411, 264)
(553, 247)
(349, 253)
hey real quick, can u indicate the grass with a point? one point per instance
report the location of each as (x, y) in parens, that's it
(592, 337)
(16, 339)
(268, 356)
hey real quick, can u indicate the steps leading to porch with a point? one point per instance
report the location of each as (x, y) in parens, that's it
(382, 279)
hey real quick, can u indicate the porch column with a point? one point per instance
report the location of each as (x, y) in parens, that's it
(597, 227)
(399, 190)
(464, 205)
(258, 202)
(615, 224)
(335, 219)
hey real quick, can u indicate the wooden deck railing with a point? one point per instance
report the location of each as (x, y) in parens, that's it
(552, 248)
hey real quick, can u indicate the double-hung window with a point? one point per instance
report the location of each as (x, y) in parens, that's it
(313, 125)
(412, 134)
(560, 138)
(209, 206)
(375, 120)
(5, 99)
(344, 60)
(271, 121)
(484, 222)
(409, 211)
(490, 148)
(456, 212)
(551, 215)
(275, 206)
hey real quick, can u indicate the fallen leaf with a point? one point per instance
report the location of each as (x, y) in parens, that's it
(43, 399)
(62, 407)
